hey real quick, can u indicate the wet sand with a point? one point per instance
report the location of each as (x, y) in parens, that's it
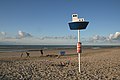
(96, 64)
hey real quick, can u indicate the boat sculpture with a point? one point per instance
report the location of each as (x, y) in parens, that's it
(77, 23)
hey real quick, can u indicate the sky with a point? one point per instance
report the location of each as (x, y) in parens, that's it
(45, 22)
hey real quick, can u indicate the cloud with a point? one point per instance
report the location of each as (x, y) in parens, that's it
(22, 34)
(71, 37)
(98, 39)
(27, 38)
(3, 33)
(115, 36)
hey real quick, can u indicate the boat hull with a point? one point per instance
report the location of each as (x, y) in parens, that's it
(78, 25)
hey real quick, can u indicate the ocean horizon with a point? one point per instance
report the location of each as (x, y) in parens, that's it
(23, 48)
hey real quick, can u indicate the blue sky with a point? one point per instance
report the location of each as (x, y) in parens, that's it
(46, 21)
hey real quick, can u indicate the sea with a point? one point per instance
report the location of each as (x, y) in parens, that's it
(23, 48)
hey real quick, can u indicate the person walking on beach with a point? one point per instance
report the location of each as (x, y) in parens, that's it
(28, 54)
(41, 52)
(21, 54)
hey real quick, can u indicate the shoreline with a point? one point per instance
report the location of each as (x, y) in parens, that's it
(55, 51)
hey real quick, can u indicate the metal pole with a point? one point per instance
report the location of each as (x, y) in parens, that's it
(79, 53)
(79, 62)
(78, 35)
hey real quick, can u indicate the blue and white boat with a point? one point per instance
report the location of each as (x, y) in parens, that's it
(77, 23)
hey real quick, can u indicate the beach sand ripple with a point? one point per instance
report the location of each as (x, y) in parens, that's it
(96, 66)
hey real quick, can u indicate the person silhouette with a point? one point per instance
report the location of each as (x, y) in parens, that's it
(41, 52)
(21, 54)
(28, 54)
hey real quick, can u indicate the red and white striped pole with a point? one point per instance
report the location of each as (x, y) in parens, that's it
(79, 49)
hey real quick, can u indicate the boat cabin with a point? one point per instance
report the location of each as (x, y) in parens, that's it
(76, 19)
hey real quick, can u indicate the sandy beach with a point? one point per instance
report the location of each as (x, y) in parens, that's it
(96, 64)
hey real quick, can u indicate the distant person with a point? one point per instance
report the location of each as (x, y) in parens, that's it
(41, 52)
(21, 54)
(28, 54)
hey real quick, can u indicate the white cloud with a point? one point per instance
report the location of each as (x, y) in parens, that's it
(2, 33)
(115, 36)
(22, 34)
(71, 37)
(27, 38)
(110, 39)
(97, 39)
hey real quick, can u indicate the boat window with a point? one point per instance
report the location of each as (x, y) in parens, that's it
(74, 15)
